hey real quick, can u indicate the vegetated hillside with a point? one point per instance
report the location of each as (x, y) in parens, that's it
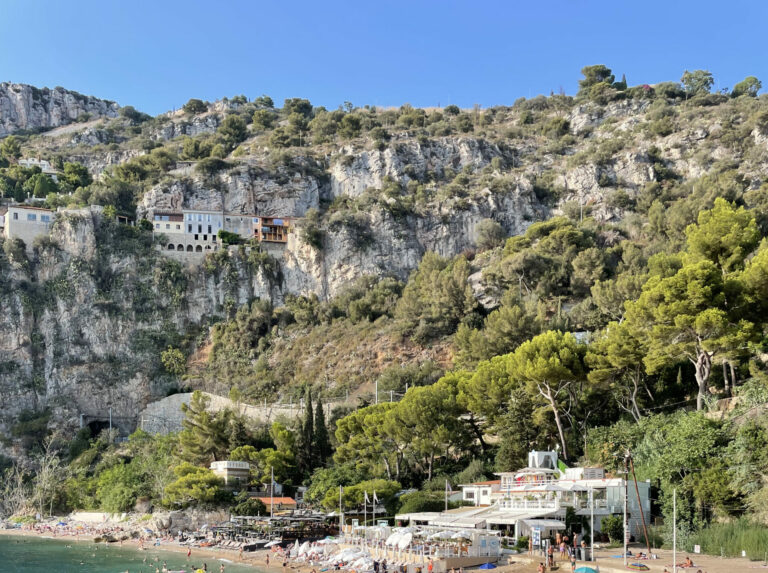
(616, 174)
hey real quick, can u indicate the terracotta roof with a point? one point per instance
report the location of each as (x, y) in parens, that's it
(277, 500)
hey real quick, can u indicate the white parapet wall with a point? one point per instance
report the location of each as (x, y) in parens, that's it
(165, 416)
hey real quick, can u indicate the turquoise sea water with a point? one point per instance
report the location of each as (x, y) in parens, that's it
(33, 555)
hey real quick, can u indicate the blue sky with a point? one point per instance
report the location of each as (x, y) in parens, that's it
(156, 54)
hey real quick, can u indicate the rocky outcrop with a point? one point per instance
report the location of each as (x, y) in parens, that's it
(191, 126)
(97, 163)
(94, 136)
(24, 107)
(352, 172)
(245, 189)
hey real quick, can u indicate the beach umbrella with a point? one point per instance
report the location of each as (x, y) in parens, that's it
(487, 566)
(586, 570)
(404, 541)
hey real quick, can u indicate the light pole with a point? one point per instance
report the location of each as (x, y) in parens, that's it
(591, 523)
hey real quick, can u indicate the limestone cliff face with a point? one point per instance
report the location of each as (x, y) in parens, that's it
(86, 314)
(24, 107)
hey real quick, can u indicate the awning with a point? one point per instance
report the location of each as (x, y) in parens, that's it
(458, 521)
(545, 523)
(507, 518)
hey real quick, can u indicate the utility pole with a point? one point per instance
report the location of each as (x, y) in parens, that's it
(272, 492)
(626, 491)
(591, 523)
(640, 505)
(365, 511)
(674, 531)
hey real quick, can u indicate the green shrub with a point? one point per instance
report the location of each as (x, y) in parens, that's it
(194, 106)
(211, 166)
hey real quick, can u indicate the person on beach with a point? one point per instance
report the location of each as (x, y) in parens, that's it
(189, 553)
(221, 568)
(430, 566)
(266, 560)
(240, 555)
(573, 561)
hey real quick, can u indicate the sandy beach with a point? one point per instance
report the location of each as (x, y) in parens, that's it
(607, 561)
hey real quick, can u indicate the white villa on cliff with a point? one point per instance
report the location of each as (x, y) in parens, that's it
(538, 496)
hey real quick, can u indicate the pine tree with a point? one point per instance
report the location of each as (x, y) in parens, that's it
(238, 434)
(305, 446)
(322, 442)
(204, 437)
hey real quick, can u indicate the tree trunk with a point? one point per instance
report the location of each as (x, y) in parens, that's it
(389, 471)
(703, 366)
(733, 376)
(553, 404)
(726, 379)
(478, 434)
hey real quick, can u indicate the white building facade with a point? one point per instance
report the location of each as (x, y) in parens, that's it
(538, 497)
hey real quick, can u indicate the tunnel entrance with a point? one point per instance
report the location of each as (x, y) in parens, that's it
(97, 426)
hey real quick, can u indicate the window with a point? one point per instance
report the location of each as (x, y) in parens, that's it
(469, 494)
(178, 227)
(189, 216)
(199, 217)
(31, 217)
(255, 219)
(205, 237)
(199, 228)
(167, 226)
(45, 218)
(157, 225)
(196, 238)
(209, 218)
(209, 229)
(15, 216)
(189, 228)
(157, 217)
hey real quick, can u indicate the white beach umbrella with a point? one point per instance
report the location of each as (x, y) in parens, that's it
(405, 540)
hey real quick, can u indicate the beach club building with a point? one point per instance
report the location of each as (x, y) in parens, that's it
(536, 498)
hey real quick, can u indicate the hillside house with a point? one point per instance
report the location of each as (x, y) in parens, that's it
(235, 474)
(42, 164)
(272, 229)
(27, 223)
